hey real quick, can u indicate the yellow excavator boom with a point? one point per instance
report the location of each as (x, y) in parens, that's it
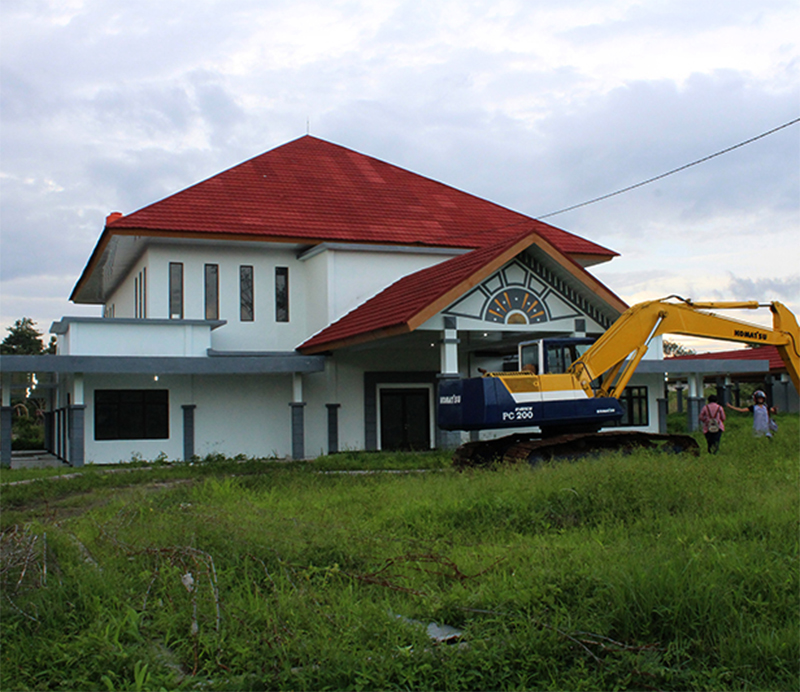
(616, 353)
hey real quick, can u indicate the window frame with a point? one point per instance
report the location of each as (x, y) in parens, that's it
(635, 402)
(176, 290)
(247, 295)
(211, 291)
(131, 414)
(281, 294)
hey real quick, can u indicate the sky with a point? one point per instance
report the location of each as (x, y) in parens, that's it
(109, 105)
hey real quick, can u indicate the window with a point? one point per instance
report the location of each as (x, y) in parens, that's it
(212, 291)
(634, 401)
(131, 414)
(246, 302)
(176, 290)
(140, 294)
(281, 294)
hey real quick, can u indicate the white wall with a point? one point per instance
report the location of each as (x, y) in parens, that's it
(356, 276)
(115, 451)
(243, 414)
(104, 337)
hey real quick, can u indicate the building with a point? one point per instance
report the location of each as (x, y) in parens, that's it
(307, 301)
(762, 367)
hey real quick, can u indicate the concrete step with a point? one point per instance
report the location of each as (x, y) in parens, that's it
(35, 459)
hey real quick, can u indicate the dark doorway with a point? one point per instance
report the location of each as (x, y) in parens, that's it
(405, 419)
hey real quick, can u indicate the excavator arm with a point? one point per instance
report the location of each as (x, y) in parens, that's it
(616, 354)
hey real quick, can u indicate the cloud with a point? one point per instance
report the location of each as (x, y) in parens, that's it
(787, 289)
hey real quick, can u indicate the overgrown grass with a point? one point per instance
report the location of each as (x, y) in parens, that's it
(623, 572)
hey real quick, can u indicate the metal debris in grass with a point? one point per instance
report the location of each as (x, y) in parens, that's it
(441, 634)
(439, 566)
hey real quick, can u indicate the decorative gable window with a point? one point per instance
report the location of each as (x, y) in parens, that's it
(176, 290)
(212, 291)
(281, 294)
(246, 302)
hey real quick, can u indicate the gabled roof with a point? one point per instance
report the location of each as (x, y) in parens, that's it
(769, 353)
(412, 300)
(310, 191)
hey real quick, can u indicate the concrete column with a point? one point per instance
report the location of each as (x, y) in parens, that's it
(5, 383)
(298, 432)
(727, 391)
(768, 380)
(77, 388)
(48, 431)
(188, 431)
(720, 391)
(662, 414)
(333, 427)
(298, 417)
(679, 390)
(6, 417)
(449, 352)
(694, 402)
(76, 435)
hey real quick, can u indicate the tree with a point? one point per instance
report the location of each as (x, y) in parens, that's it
(25, 340)
(673, 348)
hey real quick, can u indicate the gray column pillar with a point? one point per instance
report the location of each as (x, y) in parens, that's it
(333, 427)
(48, 431)
(188, 431)
(694, 404)
(768, 380)
(720, 391)
(727, 392)
(679, 390)
(662, 414)
(298, 430)
(6, 413)
(76, 435)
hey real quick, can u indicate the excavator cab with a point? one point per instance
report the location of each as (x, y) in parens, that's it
(551, 356)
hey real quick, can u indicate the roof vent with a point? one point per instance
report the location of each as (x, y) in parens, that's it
(113, 216)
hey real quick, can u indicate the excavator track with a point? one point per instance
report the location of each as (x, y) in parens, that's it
(533, 449)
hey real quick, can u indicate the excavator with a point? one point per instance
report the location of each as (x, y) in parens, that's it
(570, 388)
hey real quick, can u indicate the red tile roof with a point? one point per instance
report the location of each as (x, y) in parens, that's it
(769, 353)
(311, 190)
(413, 299)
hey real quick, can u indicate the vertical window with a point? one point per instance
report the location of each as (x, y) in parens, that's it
(176, 290)
(140, 294)
(281, 294)
(212, 291)
(246, 303)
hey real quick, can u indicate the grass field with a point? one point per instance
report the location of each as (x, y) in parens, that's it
(637, 572)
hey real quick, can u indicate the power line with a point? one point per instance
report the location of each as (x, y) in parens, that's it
(675, 170)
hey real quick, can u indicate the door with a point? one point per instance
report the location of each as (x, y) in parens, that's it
(405, 419)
